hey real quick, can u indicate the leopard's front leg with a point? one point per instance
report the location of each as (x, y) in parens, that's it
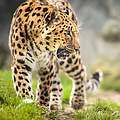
(78, 94)
(56, 90)
(22, 74)
(44, 84)
(73, 67)
(49, 91)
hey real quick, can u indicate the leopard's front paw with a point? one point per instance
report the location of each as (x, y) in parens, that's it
(55, 107)
(77, 102)
(77, 105)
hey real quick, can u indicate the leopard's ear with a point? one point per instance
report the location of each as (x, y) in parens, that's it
(64, 7)
(52, 17)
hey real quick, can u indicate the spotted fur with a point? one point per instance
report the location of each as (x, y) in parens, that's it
(44, 37)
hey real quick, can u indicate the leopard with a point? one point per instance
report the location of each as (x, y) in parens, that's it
(44, 37)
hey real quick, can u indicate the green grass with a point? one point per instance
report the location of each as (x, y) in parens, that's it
(100, 111)
(12, 109)
(67, 87)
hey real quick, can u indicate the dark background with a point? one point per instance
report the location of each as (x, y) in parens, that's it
(98, 21)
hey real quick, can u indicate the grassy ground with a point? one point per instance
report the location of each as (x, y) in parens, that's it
(12, 109)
